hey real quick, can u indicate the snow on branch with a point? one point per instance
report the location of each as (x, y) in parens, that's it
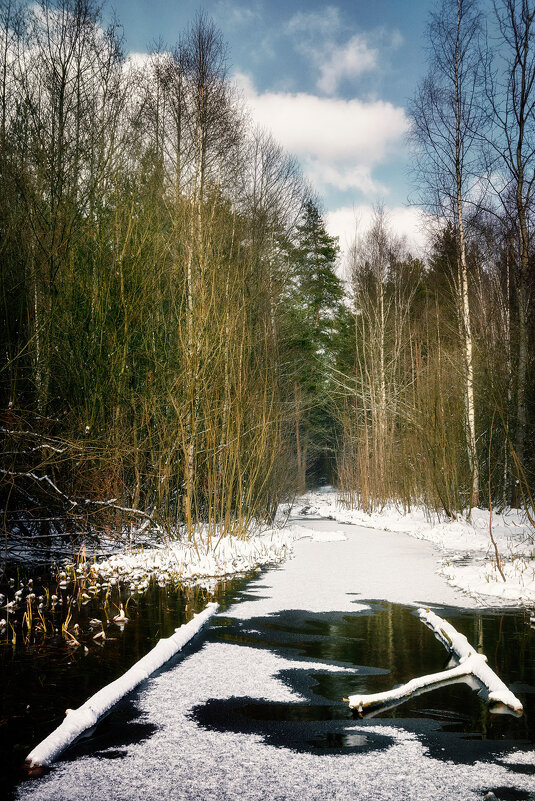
(86, 716)
(112, 505)
(471, 667)
(45, 479)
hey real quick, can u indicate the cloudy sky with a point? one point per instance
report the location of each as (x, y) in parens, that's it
(330, 81)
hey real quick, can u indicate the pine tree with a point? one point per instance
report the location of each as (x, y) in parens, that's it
(310, 321)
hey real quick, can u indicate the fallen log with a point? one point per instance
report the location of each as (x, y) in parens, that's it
(471, 667)
(77, 721)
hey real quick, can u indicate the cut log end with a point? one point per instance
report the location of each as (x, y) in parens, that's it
(34, 770)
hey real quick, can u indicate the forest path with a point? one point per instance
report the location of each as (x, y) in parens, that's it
(183, 736)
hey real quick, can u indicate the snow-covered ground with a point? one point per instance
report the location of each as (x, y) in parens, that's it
(203, 562)
(467, 554)
(334, 568)
(467, 560)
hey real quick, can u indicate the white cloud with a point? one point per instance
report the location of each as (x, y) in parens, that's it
(236, 16)
(137, 60)
(342, 176)
(348, 221)
(348, 61)
(322, 39)
(339, 142)
(311, 23)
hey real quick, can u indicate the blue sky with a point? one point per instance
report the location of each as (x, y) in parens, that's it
(331, 81)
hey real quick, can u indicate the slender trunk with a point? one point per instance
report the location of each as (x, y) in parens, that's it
(463, 290)
(523, 321)
(37, 333)
(509, 375)
(468, 365)
(298, 450)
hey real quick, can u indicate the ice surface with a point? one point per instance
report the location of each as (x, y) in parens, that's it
(468, 559)
(183, 760)
(369, 565)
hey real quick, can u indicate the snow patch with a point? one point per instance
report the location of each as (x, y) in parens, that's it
(206, 560)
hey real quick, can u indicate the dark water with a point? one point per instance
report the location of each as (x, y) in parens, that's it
(388, 645)
(384, 647)
(45, 672)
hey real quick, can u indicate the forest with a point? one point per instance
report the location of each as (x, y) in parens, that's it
(178, 345)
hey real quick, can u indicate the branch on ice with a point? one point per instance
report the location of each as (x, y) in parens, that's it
(86, 716)
(471, 667)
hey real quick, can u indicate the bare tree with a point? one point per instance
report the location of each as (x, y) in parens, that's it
(446, 121)
(510, 103)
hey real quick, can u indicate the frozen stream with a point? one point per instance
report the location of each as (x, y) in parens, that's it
(254, 710)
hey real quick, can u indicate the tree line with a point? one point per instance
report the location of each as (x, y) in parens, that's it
(149, 249)
(443, 396)
(177, 348)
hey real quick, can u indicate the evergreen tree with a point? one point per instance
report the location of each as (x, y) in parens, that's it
(311, 316)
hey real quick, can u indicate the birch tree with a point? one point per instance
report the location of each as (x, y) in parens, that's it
(447, 120)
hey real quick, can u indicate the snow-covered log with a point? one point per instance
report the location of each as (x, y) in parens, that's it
(77, 721)
(470, 666)
(498, 693)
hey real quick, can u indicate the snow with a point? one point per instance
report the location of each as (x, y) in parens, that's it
(343, 575)
(468, 560)
(413, 687)
(476, 664)
(210, 558)
(181, 759)
(85, 717)
(333, 567)
(319, 536)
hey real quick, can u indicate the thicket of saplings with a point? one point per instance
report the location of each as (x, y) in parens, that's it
(444, 408)
(177, 350)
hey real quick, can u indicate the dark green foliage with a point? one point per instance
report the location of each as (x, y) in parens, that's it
(312, 314)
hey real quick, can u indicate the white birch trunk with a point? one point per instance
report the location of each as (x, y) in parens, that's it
(463, 289)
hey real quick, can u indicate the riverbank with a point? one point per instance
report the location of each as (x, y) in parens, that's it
(491, 558)
(468, 556)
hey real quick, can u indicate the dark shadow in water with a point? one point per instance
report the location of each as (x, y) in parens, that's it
(40, 682)
(303, 728)
(111, 736)
(384, 646)
(510, 794)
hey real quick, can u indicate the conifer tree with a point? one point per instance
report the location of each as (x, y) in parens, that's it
(313, 304)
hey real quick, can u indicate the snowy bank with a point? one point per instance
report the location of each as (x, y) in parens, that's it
(468, 559)
(202, 562)
(77, 721)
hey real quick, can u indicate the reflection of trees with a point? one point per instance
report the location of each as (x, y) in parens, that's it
(391, 639)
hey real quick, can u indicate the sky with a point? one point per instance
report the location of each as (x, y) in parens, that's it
(330, 81)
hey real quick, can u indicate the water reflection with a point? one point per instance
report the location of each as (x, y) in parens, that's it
(43, 675)
(384, 647)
